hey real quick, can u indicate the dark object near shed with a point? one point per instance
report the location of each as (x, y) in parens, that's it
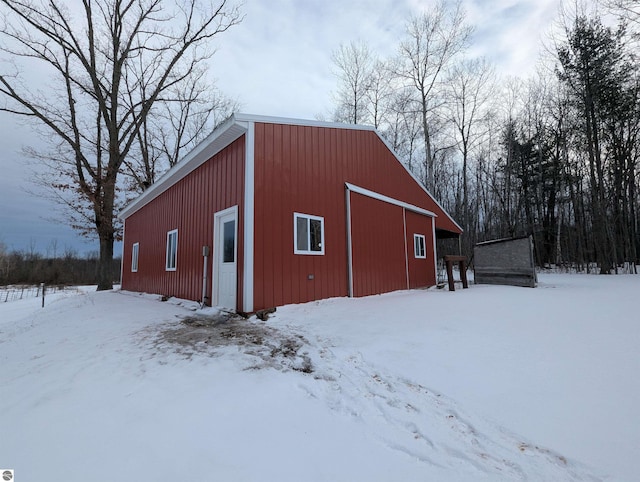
(505, 262)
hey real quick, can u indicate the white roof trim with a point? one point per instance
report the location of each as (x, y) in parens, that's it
(300, 122)
(387, 199)
(201, 153)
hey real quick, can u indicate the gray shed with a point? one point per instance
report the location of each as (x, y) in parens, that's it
(505, 262)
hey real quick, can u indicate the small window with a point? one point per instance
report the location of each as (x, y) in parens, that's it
(134, 257)
(308, 234)
(229, 242)
(419, 246)
(172, 250)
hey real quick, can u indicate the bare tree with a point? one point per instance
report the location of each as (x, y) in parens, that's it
(354, 65)
(470, 91)
(379, 94)
(184, 117)
(627, 10)
(433, 40)
(110, 62)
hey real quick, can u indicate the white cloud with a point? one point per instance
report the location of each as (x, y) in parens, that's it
(510, 33)
(278, 60)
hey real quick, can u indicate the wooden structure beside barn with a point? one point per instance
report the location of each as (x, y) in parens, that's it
(288, 211)
(505, 262)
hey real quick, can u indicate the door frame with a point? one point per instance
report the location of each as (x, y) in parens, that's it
(217, 252)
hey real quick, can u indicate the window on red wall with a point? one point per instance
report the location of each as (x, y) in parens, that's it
(134, 257)
(172, 250)
(419, 250)
(308, 234)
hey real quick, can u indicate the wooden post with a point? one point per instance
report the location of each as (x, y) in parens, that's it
(462, 264)
(452, 286)
(463, 273)
(42, 287)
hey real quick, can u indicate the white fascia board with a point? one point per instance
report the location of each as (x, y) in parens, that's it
(301, 122)
(417, 180)
(205, 150)
(435, 250)
(349, 242)
(390, 200)
(249, 216)
(124, 240)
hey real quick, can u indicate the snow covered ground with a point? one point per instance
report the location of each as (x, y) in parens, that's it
(489, 383)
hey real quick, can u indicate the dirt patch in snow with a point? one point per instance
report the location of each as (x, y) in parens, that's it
(213, 334)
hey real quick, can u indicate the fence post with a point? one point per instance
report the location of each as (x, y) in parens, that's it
(42, 286)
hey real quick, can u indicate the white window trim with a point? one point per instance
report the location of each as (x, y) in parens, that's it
(166, 263)
(423, 245)
(135, 256)
(295, 234)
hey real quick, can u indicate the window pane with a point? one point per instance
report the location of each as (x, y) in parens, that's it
(172, 249)
(134, 258)
(302, 239)
(418, 245)
(172, 252)
(316, 234)
(228, 253)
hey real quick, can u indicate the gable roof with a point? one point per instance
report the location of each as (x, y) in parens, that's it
(229, 131)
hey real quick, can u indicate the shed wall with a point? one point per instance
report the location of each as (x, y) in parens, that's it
(188, 206)
(505, 262)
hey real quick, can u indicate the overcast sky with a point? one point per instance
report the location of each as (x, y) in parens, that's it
(278, 62)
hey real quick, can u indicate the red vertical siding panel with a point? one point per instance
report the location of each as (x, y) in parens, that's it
(188, 206)
(284, 163)
(268, 199)
(316, 208)
(294, 160)
(259, 256)
(280, 261)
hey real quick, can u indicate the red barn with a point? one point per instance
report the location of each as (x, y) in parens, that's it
(269, 211)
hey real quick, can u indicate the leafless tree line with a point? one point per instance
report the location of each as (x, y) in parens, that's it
(55, 267)
(555, 156)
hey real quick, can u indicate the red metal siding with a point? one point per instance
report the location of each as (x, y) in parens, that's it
(188, 206)
(378, 258)
(296, 171)
(421, 271)
(304, 169)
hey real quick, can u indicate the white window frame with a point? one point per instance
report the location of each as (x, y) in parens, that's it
(423, 244)
(167, 266)
(135, 255)
(308, 217)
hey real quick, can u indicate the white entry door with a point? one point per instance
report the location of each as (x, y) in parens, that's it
(225, 264)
